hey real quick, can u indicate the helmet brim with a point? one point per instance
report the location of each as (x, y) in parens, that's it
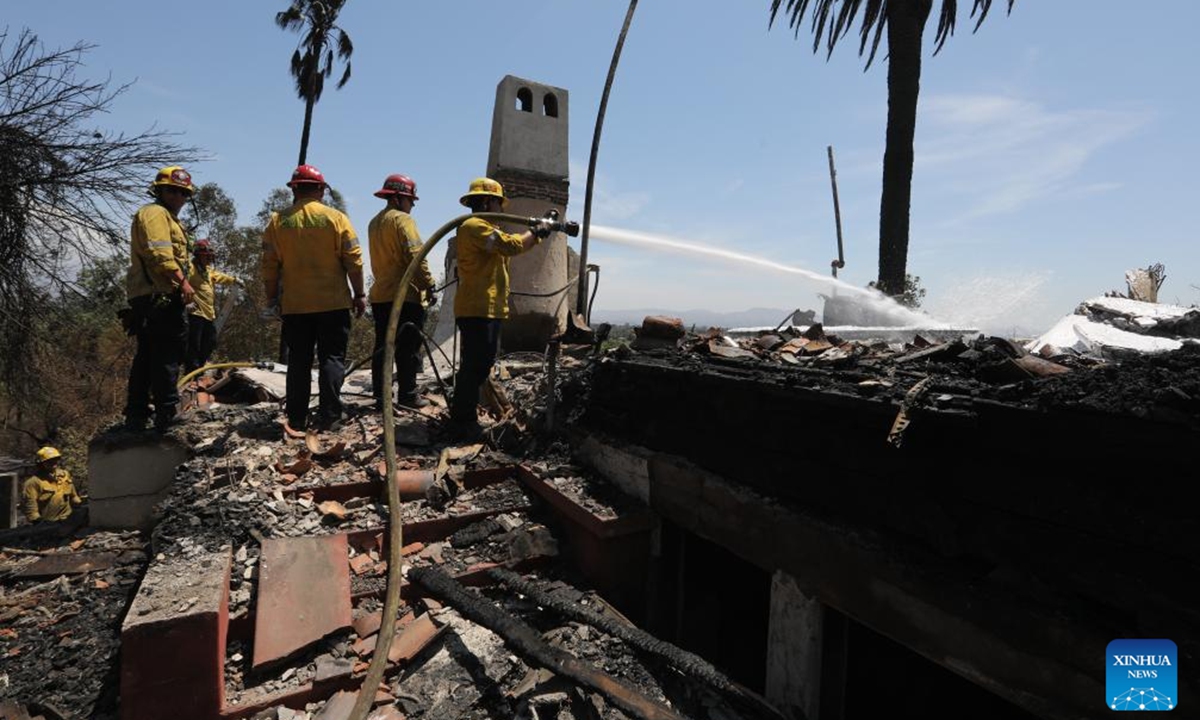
(464, 200)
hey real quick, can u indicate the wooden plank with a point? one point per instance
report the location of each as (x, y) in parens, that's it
(69, 563)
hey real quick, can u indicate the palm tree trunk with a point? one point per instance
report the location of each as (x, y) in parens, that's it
(905, 27)
(308, 110)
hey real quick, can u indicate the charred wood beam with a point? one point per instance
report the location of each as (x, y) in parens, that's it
(524, 639)
(685, 662)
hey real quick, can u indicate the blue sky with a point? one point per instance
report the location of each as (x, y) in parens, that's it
(1055, 148)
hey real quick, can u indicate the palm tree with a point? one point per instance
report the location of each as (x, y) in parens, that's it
(313, 59)
(904, 21)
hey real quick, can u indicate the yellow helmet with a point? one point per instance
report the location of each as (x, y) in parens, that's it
(487, 187)
(47, 453)
(174, 176)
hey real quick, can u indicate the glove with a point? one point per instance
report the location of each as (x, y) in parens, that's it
(543, 229)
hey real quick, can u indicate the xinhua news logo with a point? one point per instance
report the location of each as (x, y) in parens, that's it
(1142, 675)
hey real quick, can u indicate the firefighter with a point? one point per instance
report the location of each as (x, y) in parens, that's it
(481, 302)
(311, 249)
(158, 289)
(49, 494)
(202, 331)
(394, 242)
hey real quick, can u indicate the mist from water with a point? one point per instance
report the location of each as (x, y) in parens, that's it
(875, 300)
(1000, 305)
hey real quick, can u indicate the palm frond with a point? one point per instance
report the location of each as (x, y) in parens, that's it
(831, 22)
(949, 17)
(290, 19)
(345, 48)
(946, 20)
(874, 18)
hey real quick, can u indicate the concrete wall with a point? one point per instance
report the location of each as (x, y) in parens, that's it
(542, 270)
(529, 140)
(528, 156)
(127, 475)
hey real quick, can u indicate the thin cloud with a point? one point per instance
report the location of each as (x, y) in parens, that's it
(1005, 152)
(608, 205)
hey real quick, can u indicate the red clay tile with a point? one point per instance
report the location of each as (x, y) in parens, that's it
(411, 548)
(338, 707)
(364, 646)
(412, 639)
(365, 625)
(361, 563)
(303, 594)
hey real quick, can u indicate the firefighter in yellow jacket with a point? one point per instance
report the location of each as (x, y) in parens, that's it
(158, 289)
(394, 242)
(202, 331)
(310, 250)
(481, 301)
(49, 494)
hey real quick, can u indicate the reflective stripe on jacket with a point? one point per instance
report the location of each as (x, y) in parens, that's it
(483, 251)
(158, 247)
(394, 242)
(202, 281)
(49, 499)
(310, 247)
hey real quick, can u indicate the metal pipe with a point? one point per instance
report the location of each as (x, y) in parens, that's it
(581, 307)
(837, 214)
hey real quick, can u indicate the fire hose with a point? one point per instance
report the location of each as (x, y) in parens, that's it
(218, 366)
(391, 603)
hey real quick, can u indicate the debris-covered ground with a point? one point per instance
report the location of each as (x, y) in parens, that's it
(61, 605)
(1108, 374)
(463, 647)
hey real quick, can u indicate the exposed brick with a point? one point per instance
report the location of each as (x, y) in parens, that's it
(173, 641)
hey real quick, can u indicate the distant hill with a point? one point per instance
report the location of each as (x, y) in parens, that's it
(753, 317)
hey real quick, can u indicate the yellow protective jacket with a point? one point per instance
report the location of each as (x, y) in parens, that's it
(394, 242)
(202, 281)
(51, 497)
(158, 247)
(483, 251)
(311, 248)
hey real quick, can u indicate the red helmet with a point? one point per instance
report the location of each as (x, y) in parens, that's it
(203, 247)
(306, 174)
(401, 185)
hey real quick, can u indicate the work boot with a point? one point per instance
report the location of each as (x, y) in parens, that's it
(135, 423)
(331, 422)
(163, 423)
(413, 400)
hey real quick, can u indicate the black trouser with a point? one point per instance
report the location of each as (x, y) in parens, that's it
(480, 341)
(408, 347)
(160, 327)
(330, 332)
(201, 341)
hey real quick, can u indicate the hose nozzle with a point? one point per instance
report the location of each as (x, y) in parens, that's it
(549, 223)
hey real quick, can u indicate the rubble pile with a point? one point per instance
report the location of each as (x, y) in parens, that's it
(1115, 327)
(471, 641)
(960, 372)
(247, 484)
(61, 604)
